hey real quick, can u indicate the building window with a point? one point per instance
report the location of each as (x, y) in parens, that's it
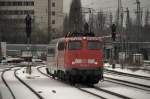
(53, 30)
(32, 3)
(53, 4)
(53, 13)
(16, 3)
(16, 12)
(53, 21)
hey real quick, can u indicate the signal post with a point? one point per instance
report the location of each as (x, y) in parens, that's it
(28, 21)
(113, 34)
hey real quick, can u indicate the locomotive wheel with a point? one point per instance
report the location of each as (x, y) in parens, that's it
(60, 75)
(63, 76)
(54, 75)
(66, 77)
(71, 80)
(95, 79)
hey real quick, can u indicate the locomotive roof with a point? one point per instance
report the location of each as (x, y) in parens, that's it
(76, 38)
(80, 34)
(82, 38)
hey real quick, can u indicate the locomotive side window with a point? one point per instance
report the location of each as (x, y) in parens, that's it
(93, 45)
(61, 46)
(75, 45)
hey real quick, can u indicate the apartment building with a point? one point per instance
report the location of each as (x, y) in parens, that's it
(47, 15)
(56, 17)
(14, 11)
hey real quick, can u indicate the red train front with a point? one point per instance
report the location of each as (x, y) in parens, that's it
(77, 59)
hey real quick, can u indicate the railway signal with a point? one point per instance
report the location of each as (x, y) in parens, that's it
(113, 32)
(28, 21)
(28, 25)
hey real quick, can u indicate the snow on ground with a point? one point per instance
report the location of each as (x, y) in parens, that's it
(124, 90)
(131, 92)
(17, 87)
(101, 93)
(52, 89)
(4, 92)
(126, 78)
(130, 79)
(2, 67)
(126, 70)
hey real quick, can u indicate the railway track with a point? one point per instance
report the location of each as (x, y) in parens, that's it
(128, 83)
(144, 69)
(102, 93)
(22, 85)
(126, 74)
(6, 84)
(112, 94)
(29, 87)
(83, 90)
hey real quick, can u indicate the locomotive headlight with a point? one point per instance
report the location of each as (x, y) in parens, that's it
(77, 61)
(84, 38)
(96, 63)
(73, 63)
(92, 61)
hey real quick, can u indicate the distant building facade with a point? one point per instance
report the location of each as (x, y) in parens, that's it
(56, 17)
(47, 15)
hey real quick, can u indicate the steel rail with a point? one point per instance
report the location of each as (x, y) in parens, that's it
(127, 85)
(6, 84)
(106, 91)
(75, 87)
(112, 93)
(127, 74)
(146, 86)
(91, 93)
(29, 87)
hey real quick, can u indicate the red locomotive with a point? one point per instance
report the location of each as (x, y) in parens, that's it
(76, 59)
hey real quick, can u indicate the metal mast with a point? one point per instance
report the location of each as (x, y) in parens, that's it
(119, 13)
(147, 18)
(119, 20)
(138, 19)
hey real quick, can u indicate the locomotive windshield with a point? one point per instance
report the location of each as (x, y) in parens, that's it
(75, 45)
(94, 45)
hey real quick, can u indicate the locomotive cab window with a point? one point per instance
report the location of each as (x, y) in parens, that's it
(75, 45)
(94, 45)
(61, 46)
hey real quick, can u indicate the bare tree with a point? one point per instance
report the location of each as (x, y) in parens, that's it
(66, 25)
(101, 19)
(39, 36)
(129, 27)
(75, 16)
(147, 26)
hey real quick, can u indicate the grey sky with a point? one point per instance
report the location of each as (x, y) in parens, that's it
(108, 4)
